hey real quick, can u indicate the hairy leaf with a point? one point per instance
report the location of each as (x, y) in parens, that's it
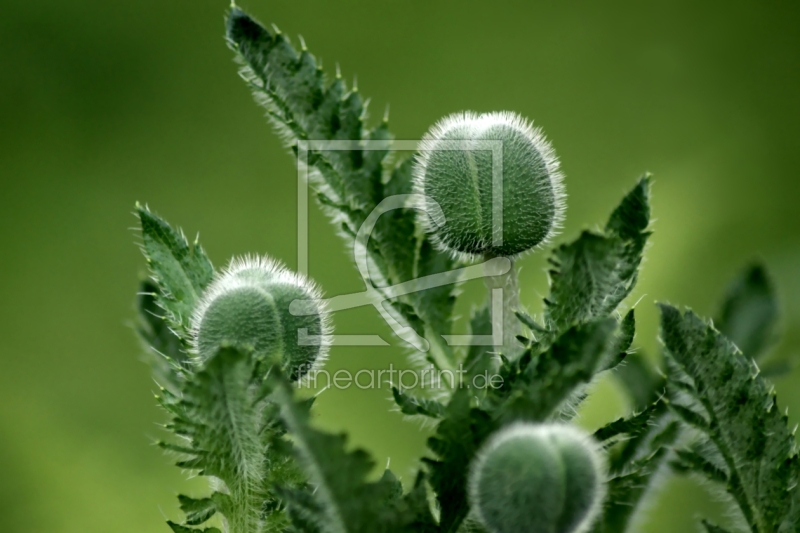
(455, 443)
(180, 270)
(350, 178)
(166, 351)
(552, 377)
(741, 415)
(593, 274)
(631, 426)
(197, 511)
(410, 405)
(229, 431)
(633, 465)
(343, 501)
(177, 528)
(750, 312)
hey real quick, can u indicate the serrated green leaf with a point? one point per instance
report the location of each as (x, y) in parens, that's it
(744, 420)
(690, 416)
(632, 468)
(624, 494)
(553, 376)
(631, 218)
(592, 275)
(749, 314)
(458, 437)
(302, 510)
(418, 509)
(528, 320)
(410, 405)
(197, 511)
(343, 501)
(181, 271)
(631, 426)
(396, 228)
(434, 305)
(627, 331)
(625, 335)
(177, 528)
(691, 461)
(350, 181)
(166, 352)
(230, 431)
(292, 88)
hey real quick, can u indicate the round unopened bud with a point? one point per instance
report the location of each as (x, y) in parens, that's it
(248, 306)
(460, 168)
(532, 478)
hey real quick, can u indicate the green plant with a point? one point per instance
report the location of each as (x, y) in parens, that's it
(227, 350)
(537, 478)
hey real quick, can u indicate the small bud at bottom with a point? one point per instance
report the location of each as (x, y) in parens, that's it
(533, 478)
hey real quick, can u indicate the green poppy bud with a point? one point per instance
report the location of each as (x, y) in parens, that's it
(537, 478)
(248, 306)
(455, 168)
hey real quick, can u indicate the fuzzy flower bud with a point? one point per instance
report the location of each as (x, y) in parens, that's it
(455, 168)
(537, 478)
(248, 306)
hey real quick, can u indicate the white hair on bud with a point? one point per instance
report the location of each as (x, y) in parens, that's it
(475, 124)
(542, 432)
(230, 278)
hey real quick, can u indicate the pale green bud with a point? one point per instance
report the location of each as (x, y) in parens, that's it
(455, 168)
(248, 306)
(538, 478)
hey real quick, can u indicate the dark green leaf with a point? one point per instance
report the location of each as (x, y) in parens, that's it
(526, 319)
(750, 312)
(455, 443)
(625, 335)
(744, 420)
(553, 377)
(343, 501)
(691, 461)
(631, 426)
(632, 469)
(624, 494)
(177, 528)
(350, 180)
(418, 509)
(292, 88)
(410, 405)
(395, 230)
(435, 305)
(593, 274)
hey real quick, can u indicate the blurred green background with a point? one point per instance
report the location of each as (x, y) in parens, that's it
(106, 103)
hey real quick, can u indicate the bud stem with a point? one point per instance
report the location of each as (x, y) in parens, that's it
(505, 321)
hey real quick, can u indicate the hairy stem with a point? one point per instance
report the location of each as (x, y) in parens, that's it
(505, 288)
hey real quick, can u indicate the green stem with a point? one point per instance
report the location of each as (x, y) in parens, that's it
(506, 320)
